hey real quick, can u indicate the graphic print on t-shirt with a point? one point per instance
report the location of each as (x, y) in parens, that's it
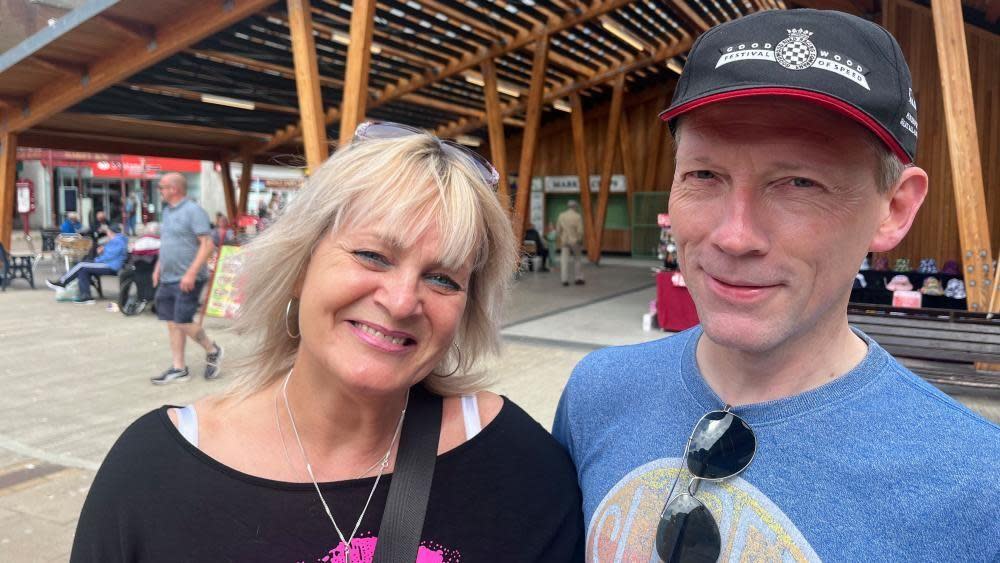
(363, 551)
(752, 527)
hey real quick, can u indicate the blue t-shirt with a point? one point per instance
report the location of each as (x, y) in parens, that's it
(877, 465)
(179, 232)
(69, 226)
(115, 252)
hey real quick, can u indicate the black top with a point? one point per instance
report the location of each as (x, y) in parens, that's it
(508, 494)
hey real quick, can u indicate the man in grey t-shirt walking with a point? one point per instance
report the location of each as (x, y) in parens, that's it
(180, 275)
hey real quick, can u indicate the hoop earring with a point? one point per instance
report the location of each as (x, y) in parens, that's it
(288, 330)
(457, 365)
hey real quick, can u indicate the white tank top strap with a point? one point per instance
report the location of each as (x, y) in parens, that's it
(470, 410)
(187, 424)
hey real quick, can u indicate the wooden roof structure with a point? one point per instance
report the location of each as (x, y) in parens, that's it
(250, 79)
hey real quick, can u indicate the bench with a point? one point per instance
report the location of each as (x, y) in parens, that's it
(941, 345)
(12, 267)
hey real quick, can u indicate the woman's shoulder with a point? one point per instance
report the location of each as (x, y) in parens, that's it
(514, 437)
(143, 444)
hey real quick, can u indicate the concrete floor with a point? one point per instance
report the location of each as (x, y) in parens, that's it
(73, 376)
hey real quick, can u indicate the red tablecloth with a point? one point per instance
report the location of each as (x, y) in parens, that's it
(674, 308)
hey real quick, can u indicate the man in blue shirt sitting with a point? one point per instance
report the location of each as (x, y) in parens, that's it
(71, 224)
(110, 258)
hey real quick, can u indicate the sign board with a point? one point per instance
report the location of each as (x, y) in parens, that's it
(25, 196)
(571, 184)
(224, 297)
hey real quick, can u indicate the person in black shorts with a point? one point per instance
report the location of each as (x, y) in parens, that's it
(180, 275)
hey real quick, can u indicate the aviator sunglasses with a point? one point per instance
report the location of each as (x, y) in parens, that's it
(721, 446)
(389, 130)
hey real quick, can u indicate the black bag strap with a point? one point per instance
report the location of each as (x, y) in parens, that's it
(403, 519)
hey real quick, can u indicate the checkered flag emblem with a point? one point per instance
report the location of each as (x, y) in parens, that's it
(796, 52)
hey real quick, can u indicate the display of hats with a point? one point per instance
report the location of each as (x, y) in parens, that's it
(902, 265)
(955, 289)
(899, 283)
(928, 266)
(865, 265)
(881, 264)
(932, 286)
(951, 268)
(859, 282)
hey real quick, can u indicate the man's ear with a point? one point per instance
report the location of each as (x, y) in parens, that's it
(900, 209)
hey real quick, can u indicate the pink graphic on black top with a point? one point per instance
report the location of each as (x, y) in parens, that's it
(363, 551)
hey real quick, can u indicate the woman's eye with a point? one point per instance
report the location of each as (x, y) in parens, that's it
(444, 282)
(703, 175)
(371, 257)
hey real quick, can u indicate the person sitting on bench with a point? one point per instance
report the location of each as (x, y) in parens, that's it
(110, 258)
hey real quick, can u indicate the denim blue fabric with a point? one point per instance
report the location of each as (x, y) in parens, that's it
(876, 465)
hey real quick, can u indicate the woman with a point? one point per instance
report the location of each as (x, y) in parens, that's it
(386, 277)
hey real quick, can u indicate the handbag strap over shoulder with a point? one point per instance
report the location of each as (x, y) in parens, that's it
(403, 519)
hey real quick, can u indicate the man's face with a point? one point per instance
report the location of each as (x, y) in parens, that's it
(169, 192)
(773, 205)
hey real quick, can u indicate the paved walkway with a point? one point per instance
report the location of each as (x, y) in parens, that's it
(73, 376)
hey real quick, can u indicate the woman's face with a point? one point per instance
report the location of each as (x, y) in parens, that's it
(374, 317)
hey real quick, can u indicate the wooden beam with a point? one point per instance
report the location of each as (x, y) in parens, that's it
(134, 30)
(583, 174)
(246, 176)
(227, 188)
(307, 84)
(656, 134)
(470, 60)
(356, 75)
(61, 67)
(628, 160)
(238, 61)
(8, 176)
(494, 120)
(130, 57)
(963, 151)
(530, 138)
(419, 100)
(684, 10)
(608, 159)
(182, 93)
(631, 64)
(94, 142)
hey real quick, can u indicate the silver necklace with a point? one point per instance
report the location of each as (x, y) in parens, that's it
(382, 463)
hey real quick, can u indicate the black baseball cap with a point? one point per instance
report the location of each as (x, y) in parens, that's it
(839, 61)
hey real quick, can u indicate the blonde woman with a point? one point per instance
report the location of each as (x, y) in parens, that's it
(382, 285)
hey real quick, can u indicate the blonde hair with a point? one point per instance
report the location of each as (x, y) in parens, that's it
(402, 186)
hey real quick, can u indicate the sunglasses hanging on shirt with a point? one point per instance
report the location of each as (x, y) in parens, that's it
(721, 446)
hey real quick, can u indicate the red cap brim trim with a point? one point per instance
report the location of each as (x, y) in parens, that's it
(824, 100)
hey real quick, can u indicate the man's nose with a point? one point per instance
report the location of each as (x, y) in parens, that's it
(740, 230)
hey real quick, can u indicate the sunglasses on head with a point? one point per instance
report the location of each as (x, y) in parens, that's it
(721, 446)
(388, 130)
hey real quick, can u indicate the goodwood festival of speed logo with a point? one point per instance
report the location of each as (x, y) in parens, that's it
(797, 52)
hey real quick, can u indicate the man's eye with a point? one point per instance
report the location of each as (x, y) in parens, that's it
(803, 183)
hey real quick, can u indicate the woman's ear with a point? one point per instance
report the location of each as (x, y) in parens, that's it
(900, 209)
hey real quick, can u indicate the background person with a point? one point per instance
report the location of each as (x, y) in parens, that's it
(71, 224)
(110, 259)
(180, 275)
(569, 231)
(357, 324)
(822, 446)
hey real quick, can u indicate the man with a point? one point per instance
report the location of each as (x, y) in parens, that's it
(569, 232)
(180, 275)
(71, 224)
(110, 258)
(541, 250)
(795, 141)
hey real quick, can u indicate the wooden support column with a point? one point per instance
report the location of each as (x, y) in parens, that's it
(356, 76)
(8, 175)
(307, 83)
(227, 189)
(963, 152)
(656, 134)
(529, 140)
(583, 173)
(608, 158)
(494, 121)
(628, 162)
(246, 176)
